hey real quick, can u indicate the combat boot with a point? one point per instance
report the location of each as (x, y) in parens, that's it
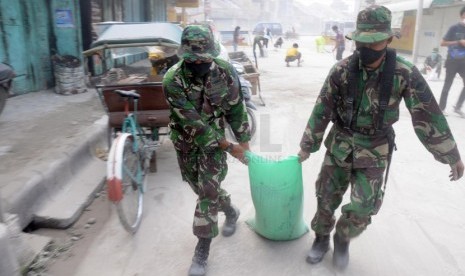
(199, 261)
(232, 214)
(341, 252)
(319, 248)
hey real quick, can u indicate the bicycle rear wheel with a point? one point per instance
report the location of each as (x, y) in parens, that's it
(125, 180)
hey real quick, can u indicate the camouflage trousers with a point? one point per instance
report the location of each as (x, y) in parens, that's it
(204, 171)
(366, 197)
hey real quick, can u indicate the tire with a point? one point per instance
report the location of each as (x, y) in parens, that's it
(3, 98)
(252, 121)
(125, 181)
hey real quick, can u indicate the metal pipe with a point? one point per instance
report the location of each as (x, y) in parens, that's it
(416, 40)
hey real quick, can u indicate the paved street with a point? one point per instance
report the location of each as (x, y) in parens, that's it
(418, 231)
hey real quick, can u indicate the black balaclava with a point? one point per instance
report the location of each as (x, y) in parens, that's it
(199, 70)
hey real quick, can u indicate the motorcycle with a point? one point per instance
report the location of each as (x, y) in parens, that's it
(246, 89)
(6, 78)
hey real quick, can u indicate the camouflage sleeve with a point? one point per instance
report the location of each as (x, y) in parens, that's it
(429, 123)
(321, 114)
(186, 115)
(236, 116)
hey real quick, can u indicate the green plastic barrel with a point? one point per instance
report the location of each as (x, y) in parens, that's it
(277, 194)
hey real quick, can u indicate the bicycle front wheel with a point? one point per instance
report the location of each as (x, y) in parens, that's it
(126, 168)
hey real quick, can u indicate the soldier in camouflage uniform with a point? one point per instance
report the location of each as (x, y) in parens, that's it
(359, 144)
(203, 92)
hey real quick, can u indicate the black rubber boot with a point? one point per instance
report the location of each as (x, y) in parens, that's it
(341, 252)
(229, 227)
(199, 261)
(319, 248)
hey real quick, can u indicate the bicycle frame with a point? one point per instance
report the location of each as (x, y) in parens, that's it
(131, 126)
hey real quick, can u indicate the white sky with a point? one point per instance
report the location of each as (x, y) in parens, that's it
(350, 3)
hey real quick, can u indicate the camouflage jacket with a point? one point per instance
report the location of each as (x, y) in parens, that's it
(429, 123)
(200, 105)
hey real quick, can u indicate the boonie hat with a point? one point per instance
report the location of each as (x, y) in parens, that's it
(197, 43)
(373, 25)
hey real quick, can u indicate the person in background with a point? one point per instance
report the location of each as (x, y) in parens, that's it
(236, 38)
(203, 93)
(268, 37)
(279, 42)
(455, 62)
(340, 45)
(157, 60)
(293, 54)
(362, 96)
(320, 42)
(433, 62)
(258, 42)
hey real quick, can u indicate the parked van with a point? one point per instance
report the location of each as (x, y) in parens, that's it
(275, 27)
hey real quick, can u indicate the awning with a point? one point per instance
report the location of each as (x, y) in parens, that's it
(409, 5)
(139, 33)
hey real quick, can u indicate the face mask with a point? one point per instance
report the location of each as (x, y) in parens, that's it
(434, 55)
(199, 70)
(368, 56)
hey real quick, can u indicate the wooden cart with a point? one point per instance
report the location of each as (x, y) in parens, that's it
(251, 72)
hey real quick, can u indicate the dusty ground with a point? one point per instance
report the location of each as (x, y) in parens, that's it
(69, 244)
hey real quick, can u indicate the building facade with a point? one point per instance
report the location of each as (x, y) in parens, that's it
(33, 31)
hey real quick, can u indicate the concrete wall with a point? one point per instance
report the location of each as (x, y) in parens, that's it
(446, 18)
(435, 23)
(434, 26)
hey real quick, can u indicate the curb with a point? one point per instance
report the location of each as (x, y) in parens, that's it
(8, 263)
(43, 186)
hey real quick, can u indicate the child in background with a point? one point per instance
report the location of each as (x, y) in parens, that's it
(293, 54)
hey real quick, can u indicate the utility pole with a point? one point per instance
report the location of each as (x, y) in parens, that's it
(416, 42)
(357, 4)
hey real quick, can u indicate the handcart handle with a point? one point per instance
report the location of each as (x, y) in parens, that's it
(128, 93)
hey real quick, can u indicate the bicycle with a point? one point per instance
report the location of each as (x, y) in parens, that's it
(131, 157)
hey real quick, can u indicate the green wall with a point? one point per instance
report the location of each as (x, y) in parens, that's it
(67, 27)
(30, 32)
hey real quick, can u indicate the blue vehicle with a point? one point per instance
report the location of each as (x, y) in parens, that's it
(276, 28)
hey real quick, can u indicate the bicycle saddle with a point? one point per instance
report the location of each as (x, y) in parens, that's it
(128, 93)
